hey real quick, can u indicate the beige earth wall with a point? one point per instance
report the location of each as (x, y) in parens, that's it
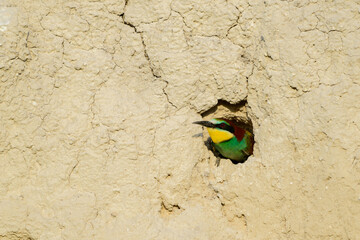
(97, 100)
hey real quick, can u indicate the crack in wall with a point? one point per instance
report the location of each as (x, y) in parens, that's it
(73, 168)
(153, 72)
(185, 24)
(235, 23)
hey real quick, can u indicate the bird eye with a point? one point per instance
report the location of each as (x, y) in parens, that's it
(226, 127)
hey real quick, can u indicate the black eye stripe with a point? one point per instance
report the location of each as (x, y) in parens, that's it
(226, 127)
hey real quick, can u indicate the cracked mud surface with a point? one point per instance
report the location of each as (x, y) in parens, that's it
(97, 100)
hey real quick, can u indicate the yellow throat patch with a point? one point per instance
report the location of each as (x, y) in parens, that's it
(218, 136)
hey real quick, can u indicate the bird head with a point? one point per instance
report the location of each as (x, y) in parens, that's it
(220, 130)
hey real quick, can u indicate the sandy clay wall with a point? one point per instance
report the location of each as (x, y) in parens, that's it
(97, 100)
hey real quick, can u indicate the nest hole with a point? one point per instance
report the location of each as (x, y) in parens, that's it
(237, 113)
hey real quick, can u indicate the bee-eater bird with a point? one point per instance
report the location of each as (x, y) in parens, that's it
(230, 140)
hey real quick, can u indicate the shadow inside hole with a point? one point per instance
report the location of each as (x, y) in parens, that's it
(234, 112)
(235, 108)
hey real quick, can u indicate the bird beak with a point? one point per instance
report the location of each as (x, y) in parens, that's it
(205, 124)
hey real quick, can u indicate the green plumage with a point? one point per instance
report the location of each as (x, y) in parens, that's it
(234, 149)
(230, 140)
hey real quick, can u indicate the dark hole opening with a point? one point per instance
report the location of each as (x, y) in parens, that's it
(238, 114)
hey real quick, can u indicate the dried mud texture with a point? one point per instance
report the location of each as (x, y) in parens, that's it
(97, 100)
